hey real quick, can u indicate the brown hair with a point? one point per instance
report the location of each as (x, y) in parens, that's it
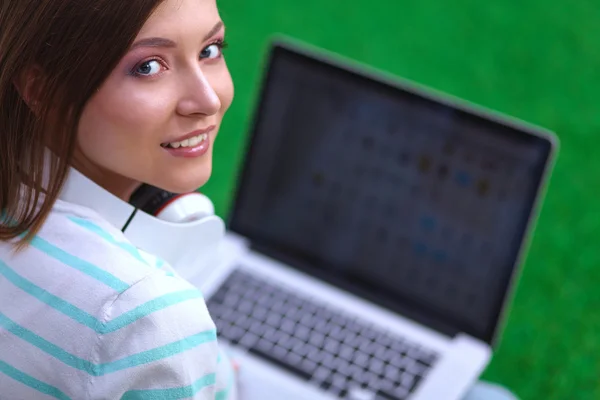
(69, 47)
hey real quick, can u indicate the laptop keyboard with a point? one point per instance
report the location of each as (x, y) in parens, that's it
(337, 352)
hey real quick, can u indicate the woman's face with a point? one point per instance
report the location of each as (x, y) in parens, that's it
(156, 117)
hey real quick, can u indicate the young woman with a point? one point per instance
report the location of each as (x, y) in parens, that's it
(125, 92)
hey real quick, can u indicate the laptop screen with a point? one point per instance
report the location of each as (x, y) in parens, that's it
(407, 201)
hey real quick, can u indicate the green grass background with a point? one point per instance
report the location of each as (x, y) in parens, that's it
(533, 59)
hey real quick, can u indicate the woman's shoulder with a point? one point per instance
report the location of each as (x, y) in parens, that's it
(135, 323)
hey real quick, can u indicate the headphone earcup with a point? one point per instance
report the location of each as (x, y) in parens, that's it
(172, 207)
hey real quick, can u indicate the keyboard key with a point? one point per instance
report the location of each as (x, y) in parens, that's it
(391, 372)
(263, 346)
(245, 307)
(231, 301)
(342, 366)
(321, 374)
(274, 320)
(407, 380)
(301, 348)
(317, 339)
(331, 346)
(288, 326)
(248, 340)
(308, 365)
(346, 352)
(302, 332)
(293, 358)
(279, 351)
(339, 381)
(361, 359)
(401, 392)
(386, 385)
(321, 326)
(350, 339)
(260, 313)
(367, 346)
(307, 320)
(376, 366)
(271, 334)
(383, 353)
(285, 340)
(235, 333)
(328, 361)
(258, 328)
(384, 340)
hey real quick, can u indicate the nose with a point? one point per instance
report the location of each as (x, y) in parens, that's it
(199, 96)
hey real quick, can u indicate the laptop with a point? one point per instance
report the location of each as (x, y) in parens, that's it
(375, 236)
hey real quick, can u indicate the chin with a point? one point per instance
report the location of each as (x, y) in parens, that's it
(184, 183)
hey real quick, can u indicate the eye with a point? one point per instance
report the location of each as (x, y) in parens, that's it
(213, 51)
(148, 68)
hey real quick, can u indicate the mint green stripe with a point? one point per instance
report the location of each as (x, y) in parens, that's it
(90, 226)
(49, 299)
(45, 345)
(171, 393)
(88, 320)
(151, 306)
(160, 263)
(32, 382)
(144, 357)
(79, 264)
(160, 352)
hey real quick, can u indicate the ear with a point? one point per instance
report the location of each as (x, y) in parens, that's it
(29, 85)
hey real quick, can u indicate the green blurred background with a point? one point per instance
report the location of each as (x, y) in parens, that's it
(533, 59)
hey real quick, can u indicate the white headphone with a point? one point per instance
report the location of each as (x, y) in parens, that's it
(180, 228)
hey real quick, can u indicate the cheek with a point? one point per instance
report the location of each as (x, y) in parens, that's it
(116, 117)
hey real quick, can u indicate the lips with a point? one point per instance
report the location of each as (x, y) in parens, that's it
(191, 139)
(191, 142)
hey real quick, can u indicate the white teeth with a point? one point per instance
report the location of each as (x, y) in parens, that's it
(191, 142)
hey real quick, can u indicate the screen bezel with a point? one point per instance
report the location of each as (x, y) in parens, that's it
(319, 58)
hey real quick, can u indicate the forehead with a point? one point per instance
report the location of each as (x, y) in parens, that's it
(177, 18)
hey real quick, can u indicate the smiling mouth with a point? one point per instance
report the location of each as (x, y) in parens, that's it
(190, 142)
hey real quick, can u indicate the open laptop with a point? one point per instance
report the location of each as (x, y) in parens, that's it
(375, 235)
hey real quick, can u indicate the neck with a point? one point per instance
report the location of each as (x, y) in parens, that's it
(116, 184)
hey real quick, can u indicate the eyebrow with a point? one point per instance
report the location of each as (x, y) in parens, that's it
(168, 43)
(215, 29)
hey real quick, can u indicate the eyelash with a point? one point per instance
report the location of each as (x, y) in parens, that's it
(221, 43)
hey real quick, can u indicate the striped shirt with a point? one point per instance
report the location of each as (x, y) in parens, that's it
(84, 314)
